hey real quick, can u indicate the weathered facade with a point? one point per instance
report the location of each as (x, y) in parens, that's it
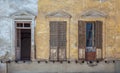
(10, 12)
(69, 21)
(74, 31)
(72, 12)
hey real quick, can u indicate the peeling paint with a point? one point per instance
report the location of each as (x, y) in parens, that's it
(8, 7)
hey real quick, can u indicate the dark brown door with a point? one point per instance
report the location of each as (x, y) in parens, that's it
(25, 44)
(57, 40)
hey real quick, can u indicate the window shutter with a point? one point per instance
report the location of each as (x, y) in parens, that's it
(82, 35)
(53, 40)
(98, 34)
(62, 40)
(58, 40)
(81, 39)
(62, 34)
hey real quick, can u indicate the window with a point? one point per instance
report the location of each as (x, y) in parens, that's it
(57, 40)
(23, 25)
(90, 37)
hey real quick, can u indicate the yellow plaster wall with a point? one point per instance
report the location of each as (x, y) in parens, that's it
(111, 25)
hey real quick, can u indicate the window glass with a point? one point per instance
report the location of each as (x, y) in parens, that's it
(89, 35)
(26, 24)
(19, 24)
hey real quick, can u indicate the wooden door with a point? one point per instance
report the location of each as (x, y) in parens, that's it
(57, 40)
(18, 44)
(25, 44)
(23, 41)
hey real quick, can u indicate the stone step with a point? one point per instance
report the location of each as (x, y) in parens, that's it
(34, 67)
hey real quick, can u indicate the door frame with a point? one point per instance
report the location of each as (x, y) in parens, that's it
(18, 54)
(32, 57)
(100, 53)
(23, 16)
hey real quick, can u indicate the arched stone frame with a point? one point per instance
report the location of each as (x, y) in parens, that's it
(61, 16)
(95, 15)
(23, 16)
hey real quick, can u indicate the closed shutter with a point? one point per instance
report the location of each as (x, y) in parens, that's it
(62, 40)
(81, 39)
(53, 40)
(98, 39)
(82, 35)
(57, 40)
(98, 34)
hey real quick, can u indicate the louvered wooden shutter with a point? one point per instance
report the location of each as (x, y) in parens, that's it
(81, 39)
(62, 40)
(82, 35)
(57, 40)
(53, 40)
(98, 34)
